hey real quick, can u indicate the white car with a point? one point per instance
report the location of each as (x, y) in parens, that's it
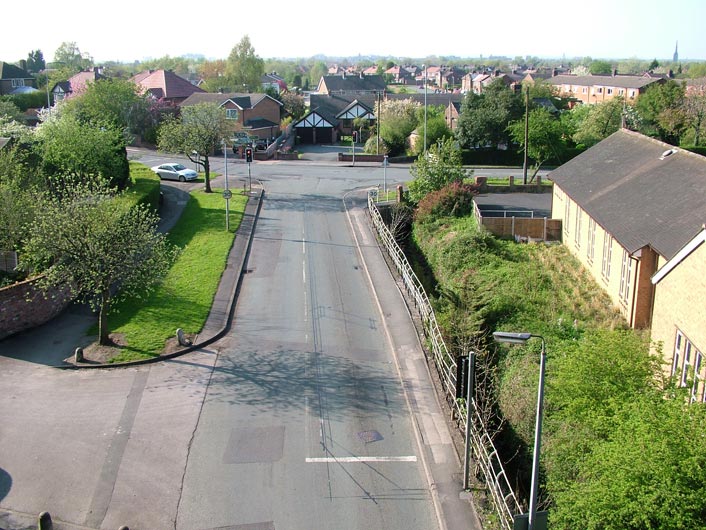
(174, 171)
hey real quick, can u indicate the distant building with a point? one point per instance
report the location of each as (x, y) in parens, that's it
(675, 58)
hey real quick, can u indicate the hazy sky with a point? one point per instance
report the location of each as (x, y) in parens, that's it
(134, 30)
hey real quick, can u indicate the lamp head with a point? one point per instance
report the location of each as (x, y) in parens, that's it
(511, 338)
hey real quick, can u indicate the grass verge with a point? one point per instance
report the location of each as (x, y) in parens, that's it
(184, 298)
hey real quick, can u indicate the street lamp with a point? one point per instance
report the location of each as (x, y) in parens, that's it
(522, 338)
(425, 108)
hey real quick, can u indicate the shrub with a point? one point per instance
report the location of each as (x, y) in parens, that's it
(453, 200)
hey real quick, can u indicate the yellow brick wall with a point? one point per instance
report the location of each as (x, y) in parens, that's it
(680, 303)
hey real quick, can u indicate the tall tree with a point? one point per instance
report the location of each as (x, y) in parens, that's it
(695, 108)
(35, 61)
(545, 137)
(117, 103)
(662, 110)
(101, 248)
(197, 134)
(594, 123)
(244, 69)
(484, 118)
(70, 57)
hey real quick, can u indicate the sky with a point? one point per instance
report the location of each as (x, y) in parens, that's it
(135, 30)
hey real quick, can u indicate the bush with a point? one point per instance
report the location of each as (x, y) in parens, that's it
(453, 200)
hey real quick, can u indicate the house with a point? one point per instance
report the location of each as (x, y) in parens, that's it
(166, 86)
(400, 75)
(592, 89)
(14, 79)
(351, 84)
(633, 211)
(257, 114)
(331, 117)
(76, 84)
(274, 82)
(453, 111)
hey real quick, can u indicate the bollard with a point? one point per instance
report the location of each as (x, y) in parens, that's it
(78, 355)
(44, 522)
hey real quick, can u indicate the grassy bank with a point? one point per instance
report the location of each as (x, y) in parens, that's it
(184, 298)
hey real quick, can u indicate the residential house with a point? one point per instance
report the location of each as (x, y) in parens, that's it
(453, 111)
(400, 75)
(257, 114)
(274, 82)
(166, 86)
(76, 84)
(591, 89)
(633, 211)
(14, 79)
(332, 116)
(351, 84)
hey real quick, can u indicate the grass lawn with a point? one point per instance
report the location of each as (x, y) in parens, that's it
(183, 299)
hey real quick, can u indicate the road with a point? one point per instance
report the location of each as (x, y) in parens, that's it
(297, 419)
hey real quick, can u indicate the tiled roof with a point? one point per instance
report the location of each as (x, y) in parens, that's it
(636, 193)
(165, 84)
(354, 83)
(243, 101)
(620, 81)
(10, 71)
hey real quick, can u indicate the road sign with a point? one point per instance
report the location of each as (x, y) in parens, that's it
(227, 194)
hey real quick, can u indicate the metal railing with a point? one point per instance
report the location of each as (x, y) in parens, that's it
(483, 452)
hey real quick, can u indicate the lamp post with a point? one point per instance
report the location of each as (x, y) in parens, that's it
(522, 338)
(226, 191)
(425, 108)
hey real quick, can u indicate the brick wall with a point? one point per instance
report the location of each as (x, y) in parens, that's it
(24, 306)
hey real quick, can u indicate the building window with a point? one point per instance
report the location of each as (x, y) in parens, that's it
(591, 247)
(697, 378)
(610, 91)
(632, 94)
(577, 228)
(681, 365)
(621, 91)
(231, 114)
(567, 216)
(584, 90)
(599, 90)
(607, 255)
(625, 277)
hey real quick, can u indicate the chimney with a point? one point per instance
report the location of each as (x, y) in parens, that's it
(615, 72)
(361, 74)
(343, 74)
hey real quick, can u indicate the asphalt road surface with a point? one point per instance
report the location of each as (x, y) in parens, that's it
(314, 412)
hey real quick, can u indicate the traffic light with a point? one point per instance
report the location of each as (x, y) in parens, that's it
(248, 154)
(355, 136)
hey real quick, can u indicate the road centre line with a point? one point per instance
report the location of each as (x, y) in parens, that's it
(360, 459)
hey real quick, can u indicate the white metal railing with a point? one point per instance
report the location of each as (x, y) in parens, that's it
(483, 451)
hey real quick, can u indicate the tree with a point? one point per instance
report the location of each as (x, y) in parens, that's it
(116, 103)
(294, 105)
(72, 150)
(244, 69)
(441, 166)
(398, 118)
(545, 137)
(71, 58)
(662, 109)
(594, 123)
(600, 68)
(695, 109)
(484, 117)
(199, 132)
(35, 61)
(436, 127)
(98, 246)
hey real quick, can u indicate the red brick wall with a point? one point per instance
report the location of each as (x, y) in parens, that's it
(24, 306)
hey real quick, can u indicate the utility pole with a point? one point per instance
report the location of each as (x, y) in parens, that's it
(524, 162)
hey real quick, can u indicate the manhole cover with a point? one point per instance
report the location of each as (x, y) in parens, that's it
(369, 436)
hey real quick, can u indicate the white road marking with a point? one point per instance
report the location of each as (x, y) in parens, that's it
(360, 459)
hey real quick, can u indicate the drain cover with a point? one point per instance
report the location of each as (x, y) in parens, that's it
(369, 436)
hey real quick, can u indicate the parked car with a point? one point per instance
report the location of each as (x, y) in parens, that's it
(175, 171)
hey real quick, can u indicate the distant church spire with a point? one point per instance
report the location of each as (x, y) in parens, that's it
(676, 53)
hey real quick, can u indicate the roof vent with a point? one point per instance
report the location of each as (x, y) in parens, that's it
(668, 152)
